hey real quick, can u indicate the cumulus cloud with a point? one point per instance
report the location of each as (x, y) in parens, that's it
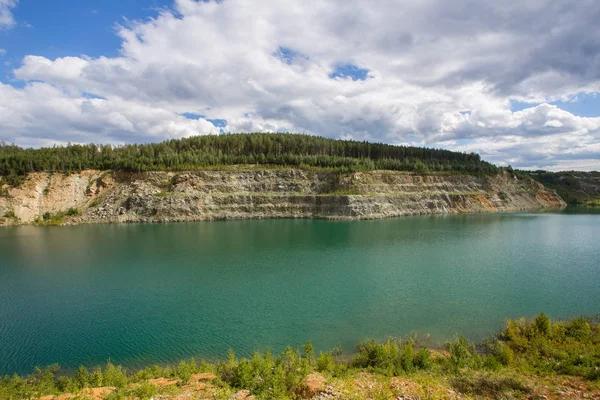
(42, 115)
(432, 73)
(6, 17)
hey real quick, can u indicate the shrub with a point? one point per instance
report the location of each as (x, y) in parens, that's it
(14, 387)
(406, 357)
(542, 324)
(151, 372)
(58, 218)
(114, 376)
(82, 378)
(44, 380)
(116, 395)
(185, 370)
(565, 347)
(267, 376)
(503, 353)
(65, 384)
(10, 214)
(325, 362)
(73, 212)
(579, 329)
(394, 357)
(374, 355)
(422, 359)
(145, 391)
(14, 180)
(491, 363)
(205, 367)
(227, 370)
(96, 378)
(461, 352)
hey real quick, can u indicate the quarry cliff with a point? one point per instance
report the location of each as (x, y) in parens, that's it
(246, 192)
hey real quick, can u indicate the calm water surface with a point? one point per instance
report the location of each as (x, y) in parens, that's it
(143, 294)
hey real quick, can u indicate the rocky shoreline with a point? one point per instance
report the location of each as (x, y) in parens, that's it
(255, 193)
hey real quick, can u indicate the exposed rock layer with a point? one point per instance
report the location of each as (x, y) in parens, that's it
(107, 196)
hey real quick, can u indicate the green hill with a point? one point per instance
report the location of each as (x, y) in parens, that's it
(257, 148)
(575, 187)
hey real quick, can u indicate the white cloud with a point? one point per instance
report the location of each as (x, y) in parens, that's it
(6, 17)
(440, 74)
(545, 137)
(42, 114)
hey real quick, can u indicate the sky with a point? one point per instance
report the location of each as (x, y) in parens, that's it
(515, 81)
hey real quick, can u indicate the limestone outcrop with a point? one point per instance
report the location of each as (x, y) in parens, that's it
(253, 192)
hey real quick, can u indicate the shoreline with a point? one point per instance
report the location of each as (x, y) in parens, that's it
(508, 365)
(553, 210)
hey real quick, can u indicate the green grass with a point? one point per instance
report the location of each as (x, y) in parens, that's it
(55, 219)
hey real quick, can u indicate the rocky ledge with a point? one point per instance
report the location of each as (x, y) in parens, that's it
(253, 193)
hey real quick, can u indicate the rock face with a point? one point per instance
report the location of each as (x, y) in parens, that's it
(247, 193)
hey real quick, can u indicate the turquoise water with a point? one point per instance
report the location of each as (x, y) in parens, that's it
(141, 294)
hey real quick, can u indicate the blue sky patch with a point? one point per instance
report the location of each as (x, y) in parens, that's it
(192, 115)
(92, 96)
(288, 55)
(582, 105)
(349, 71)
(55, 29)
(520, 105)
(219, 123)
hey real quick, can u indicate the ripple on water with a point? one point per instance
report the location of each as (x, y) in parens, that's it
(142, 294)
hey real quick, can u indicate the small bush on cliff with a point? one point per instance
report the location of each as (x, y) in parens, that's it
(185, 370)
(502, 352)
(543, 346)
(4, 189)
(114, 376)
(96, 379)
(394, 357)
(71, 212)
(10, 214)
(462, 353)
(268, 376)
(542, 324)
(144, 391)
(325, 362)
(82, 378)
(12, 179)
(51, 219)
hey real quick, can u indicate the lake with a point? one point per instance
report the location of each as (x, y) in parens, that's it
(142, 294)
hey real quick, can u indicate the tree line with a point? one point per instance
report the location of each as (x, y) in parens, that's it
(575, 187)
(229, 149)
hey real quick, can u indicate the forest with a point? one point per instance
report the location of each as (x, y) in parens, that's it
(283, 149)
(575, 187)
